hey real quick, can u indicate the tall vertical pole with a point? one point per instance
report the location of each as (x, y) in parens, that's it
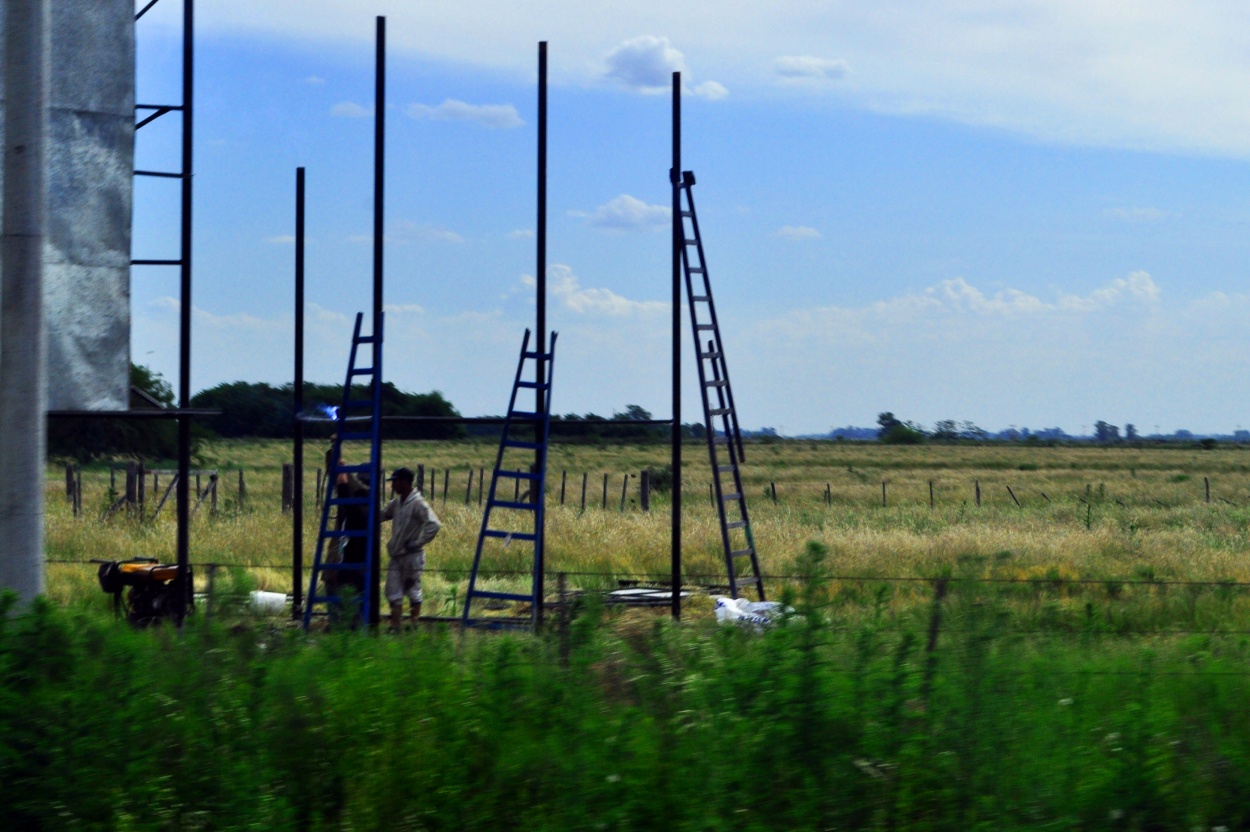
(184, 589)
(379, 171)
(540, 268)
(678, 238)
(297, 507)
(23, 388)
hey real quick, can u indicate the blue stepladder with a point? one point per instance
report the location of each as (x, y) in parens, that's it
(720, 414)
(356, 420)
(522, 464)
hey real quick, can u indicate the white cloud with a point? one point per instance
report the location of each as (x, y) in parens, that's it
(404, 232)
(403, 307)
(645, 64)
(805, 68)
(350, 109)
(314, 80)
(627, 213)
(487, 115)
(797, 232)
(564, 285)
(281, 239)
(711, 90)
(1064, 70)
(521, 234)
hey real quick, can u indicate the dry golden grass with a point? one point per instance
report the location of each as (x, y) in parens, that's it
(1107, 514)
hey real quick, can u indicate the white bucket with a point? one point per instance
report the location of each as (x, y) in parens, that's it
(268, 601)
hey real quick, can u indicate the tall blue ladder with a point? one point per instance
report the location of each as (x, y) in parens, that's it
(522, 459)
(357, 420)
(720, 416)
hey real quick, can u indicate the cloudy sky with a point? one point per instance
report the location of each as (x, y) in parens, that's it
(1017, 213)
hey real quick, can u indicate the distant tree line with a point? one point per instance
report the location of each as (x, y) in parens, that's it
(892, 430)
(256, 409)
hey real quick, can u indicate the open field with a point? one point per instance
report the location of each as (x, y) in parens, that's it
(1079, 661)
(1124, 519)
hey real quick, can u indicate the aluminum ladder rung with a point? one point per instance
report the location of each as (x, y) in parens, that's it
(350, 501)
(362, 371)
(527, 415)
(542, 356)
(516, 475)
(345, 533)
(526, 536)
(343, 567)
(500, 596)
(737, 524)
(742, 553)
(720, 382)
(704, 327)
(726, 469)
(533, 385)
(365, 468)
(725, 498)
(701, 298)
(720, 411)
(514, 505)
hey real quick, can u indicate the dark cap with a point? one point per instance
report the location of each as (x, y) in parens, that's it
(402, 474)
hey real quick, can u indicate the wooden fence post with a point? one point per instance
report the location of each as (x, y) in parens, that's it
(77, 490)
(624, 489)
(978, 485)
(1206, 484)
(212, 484)
(421, 478)
(930, 493)
(584, 477)
(604, 506)
(1013, 496)
(828, 494)
(69, 482)
(645, 489)
(143, 483)
(773, 487)
(242, 489)
(468, 491)
(132, 486)
(288, 487)
(446, 482)
(883, 502)
(563, 478)
(481, 480)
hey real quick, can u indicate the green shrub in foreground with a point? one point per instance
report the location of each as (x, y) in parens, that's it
(626, 725)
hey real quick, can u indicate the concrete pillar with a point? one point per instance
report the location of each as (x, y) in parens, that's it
(23, 396)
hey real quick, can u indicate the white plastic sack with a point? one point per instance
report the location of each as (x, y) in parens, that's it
(268, 601)
(741, 611)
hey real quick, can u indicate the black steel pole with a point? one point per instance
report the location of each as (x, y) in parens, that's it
(185, 587)
(297, 512)
(379, 170)
(541, 319)
(678, 241)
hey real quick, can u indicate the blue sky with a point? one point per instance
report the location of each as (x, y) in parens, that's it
(1016, 213)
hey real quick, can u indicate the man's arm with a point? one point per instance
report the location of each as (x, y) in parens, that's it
(425, 528)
